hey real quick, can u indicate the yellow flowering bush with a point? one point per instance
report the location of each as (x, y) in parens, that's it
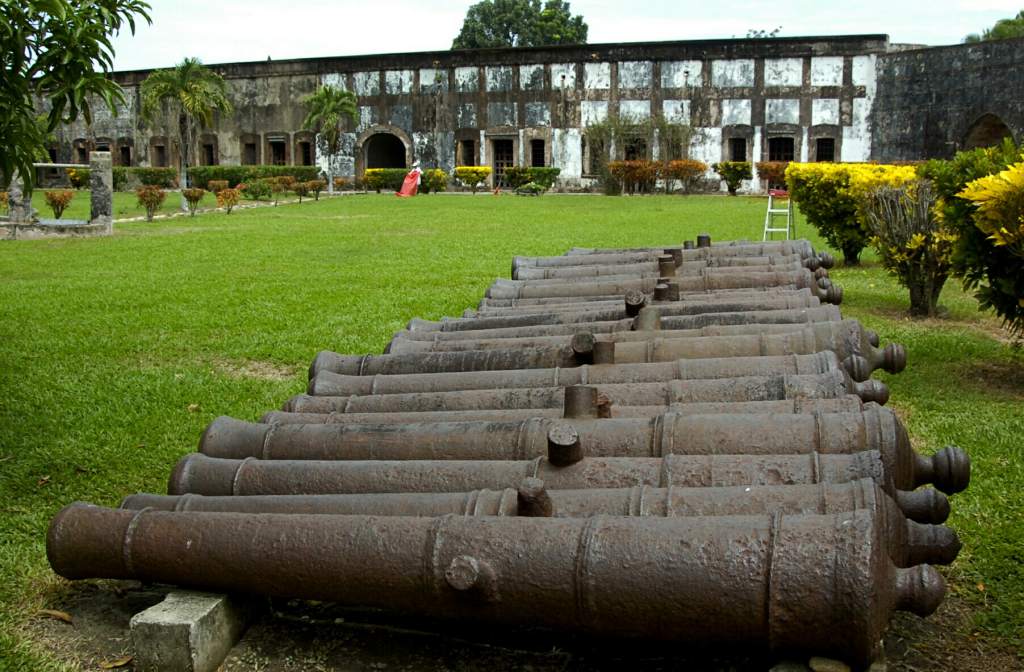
(911, 240)
(472, 176)
(832, 195)
(1000, 207)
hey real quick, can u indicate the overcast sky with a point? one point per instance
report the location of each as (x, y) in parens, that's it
(220, 31)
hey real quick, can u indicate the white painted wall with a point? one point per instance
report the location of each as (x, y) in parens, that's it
(735, 72)
(827, 71)
(531, 77)
(783, 71)
(498, 78)
(559, 69)
(676, 111)
(398, 82)
(782, 111)
(335, 79)
(735, 111)
(635, 74)
(597, 76)
(674, 74)
(467, 79)
(567, 154)
(857, 136)
(367, 83)
(824, 111)
(433, 78)
(593, 112)
(636, 109)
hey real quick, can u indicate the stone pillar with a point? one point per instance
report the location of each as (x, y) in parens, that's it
(20, 209)
(101, 185)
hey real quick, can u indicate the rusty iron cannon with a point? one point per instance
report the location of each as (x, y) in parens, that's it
(196, 473)
(823, 313)
(305, 408)
(848, 340)
(327, 383)
(657, 260)
(561, 573)
(916, 541)
(659, 267)
(702, 313)
(526, 289)
(828, 385)
(564, 441)
(739, 248)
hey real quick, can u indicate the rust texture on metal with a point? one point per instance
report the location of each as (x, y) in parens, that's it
(679, 443)
(689, 579)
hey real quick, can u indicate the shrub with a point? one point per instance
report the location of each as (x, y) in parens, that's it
(635, 176)
(686, 171)
(235, 175)
(193, 197)
(5, 201)
(434, 179)
(472, 176)
(120, 176)
(517, 176)
(832, 195)
(911, 241)
(256, 190)
(545, 177)
(79, 177)
(228, 199)
(315, 187)
(165, 178)
(531, 189)
(378, 179)
(773, 173)
(987, 213)
(340, 183)
(151, 198)
(59, 201)
(217, 185)
(733, 172)
(300, 189)
(279, 185)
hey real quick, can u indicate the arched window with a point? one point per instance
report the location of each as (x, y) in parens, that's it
(987, 131)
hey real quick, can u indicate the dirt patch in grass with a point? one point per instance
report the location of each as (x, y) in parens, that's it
(293, 635)
(999, 378)
(256, 369)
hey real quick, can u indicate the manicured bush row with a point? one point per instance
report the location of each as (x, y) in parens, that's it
(200, 176)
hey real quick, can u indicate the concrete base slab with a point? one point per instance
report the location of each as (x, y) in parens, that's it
(188, 632)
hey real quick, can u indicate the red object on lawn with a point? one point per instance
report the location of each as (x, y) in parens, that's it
(410, 185)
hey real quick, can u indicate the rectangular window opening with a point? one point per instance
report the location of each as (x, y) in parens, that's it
(537, 153)
(277, 153)
(780, 149)
(81, 155)
(468, 150)
(635, 149)
(825, 149)
(159, 156)
(249, 154)
(209, 156)
(126, 155)
(737, 149)
(305, 154)
(504, 157)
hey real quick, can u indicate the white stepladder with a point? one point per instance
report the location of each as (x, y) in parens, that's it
(775, 212)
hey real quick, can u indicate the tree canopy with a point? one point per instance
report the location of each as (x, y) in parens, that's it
(57, 53)
(520, 23)
(1004, 29)
(328, 109)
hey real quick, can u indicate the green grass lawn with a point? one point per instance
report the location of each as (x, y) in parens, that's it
(125, 205)
(116, 352)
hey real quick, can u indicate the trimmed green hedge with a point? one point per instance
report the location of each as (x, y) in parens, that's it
(200, 176)
(378, 179)
(517, 176)
(127, 178)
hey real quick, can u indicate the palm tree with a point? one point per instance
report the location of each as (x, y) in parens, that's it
(328, 109)
(189, 93)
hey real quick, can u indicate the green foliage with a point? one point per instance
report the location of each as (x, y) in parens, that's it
(120, 177)
(517, 176)
(79, 177)
(376, 179)
(151, 198)
(256, 190)
(165, 178)
(635, 177)
(1004, 29)
(329, 110)
(520, 23)
(434, 179)
(733, 172)
(201, 176)
(910, 240)
(216, 185)
(531, 189)
(57, 52)
(472, 176)
(228, 199)
(773, 172)
(192, 197)
(58, 200)
(993, 272)
(300, 189)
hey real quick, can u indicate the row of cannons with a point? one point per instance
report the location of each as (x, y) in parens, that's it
(678, 444)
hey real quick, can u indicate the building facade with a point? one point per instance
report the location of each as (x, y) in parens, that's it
(850, 98)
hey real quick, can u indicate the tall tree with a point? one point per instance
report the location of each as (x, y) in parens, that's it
(520, 23)
(329, 108)
(1004, 29)
(57, 52)
(188, 94)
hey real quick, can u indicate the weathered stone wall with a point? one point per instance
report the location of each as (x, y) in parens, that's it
(929, 100)
(443, 105)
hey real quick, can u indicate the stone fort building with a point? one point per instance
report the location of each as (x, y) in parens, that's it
(848, 98)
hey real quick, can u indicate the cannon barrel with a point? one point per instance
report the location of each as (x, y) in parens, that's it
(304, 408)
(660, 266)
(926, 506)
(327, 383)
(204, 475)
(790, 305)
(848, 340)
(827, 385)
(812, 583)
(826, 313)
(521, 263)
(873, 429)
(736, 248)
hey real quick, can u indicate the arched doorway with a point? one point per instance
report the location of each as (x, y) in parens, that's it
(987, 131)
(384, 150)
